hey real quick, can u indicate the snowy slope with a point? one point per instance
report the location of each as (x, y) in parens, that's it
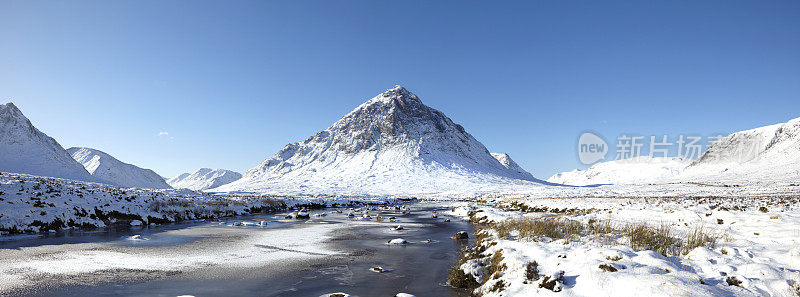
(25, 149)
(640, 170)
(392, 143)
(112, 171)
(769, 154)
(508, 163)
(203, 179)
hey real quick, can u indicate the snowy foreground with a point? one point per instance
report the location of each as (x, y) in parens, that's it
(744, 247)
(584, 241)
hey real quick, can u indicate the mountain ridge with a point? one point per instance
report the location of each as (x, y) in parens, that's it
(113, 171)
(25, 149)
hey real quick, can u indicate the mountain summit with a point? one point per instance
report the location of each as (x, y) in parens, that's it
(25, 149)
(392, 143)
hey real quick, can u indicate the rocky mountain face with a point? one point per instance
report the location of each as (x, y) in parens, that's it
(391, 143)
(25, 149)
(115, 172)
(204, 179)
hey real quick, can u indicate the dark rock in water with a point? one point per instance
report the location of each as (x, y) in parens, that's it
(461, 235)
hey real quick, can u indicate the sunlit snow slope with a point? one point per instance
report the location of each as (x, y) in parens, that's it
(508, 163)
(203, 179)
(391, 144)
(25, 149)
(640, 170)
(115, 172)
(768, 154)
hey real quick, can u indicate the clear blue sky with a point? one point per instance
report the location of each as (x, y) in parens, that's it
(233, 81)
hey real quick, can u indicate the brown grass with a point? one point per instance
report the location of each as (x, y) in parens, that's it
(643, 236)
(699, 237)
(529, 228)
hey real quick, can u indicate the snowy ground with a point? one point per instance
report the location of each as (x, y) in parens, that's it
(757, 252)
(756, 227)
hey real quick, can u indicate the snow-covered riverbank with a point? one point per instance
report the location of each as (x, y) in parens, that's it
(32, 204)
(583, 247)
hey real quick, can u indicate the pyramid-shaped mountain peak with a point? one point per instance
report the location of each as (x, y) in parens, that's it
(389, 139)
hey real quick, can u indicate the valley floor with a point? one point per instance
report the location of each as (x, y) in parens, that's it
(686, 239)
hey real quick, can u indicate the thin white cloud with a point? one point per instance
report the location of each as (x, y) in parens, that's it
(163, 133)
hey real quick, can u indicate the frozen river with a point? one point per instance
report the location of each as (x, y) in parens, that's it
(286, 257)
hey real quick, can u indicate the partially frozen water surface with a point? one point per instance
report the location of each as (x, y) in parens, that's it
(260, 255)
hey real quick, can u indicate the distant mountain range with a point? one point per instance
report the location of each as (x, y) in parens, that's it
(766, 155)
(395, 144)
(204, 179)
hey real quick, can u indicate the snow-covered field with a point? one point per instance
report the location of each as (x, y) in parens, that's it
(756, 250)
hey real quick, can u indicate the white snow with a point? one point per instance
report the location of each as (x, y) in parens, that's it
(639, 170)
(508, 163)
(204, 179)
(115, 172)
(758, 247)
(398, 241)
(25, 149)
(766, 155)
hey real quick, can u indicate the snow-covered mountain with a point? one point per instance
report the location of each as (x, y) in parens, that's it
(769, 154)
(25, 149)
(508, 163)
(392, 143)
(204, 179)
(639, 170)
(112, 171)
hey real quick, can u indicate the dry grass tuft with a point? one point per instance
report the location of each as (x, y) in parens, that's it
(529, 228)
(607, 268)
(699, 237)
(643, 236)
(532, 271)
(733, 281)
